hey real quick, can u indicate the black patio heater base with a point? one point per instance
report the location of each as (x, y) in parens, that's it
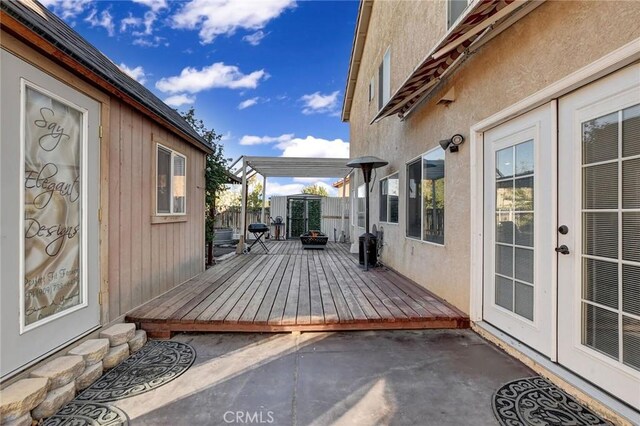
(367, 247)
(367, 242)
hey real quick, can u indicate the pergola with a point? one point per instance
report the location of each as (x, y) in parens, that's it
(287, 167)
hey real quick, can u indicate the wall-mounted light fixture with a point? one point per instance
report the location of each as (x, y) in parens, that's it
(453, 143)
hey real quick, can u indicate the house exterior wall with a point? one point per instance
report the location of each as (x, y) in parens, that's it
(549, 43)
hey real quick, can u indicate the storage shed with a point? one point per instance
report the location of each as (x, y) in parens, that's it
(102, 189)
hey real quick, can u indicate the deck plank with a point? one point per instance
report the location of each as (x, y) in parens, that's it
(342, 307)
(236, 313)
(291, 289)
(240, 273)
(291, 305)
(304, 297)
(328, 303)
(262, 316)
(315, 295)
(280, 302)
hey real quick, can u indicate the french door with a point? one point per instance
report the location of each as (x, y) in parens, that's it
(599, 219)
(519, 227)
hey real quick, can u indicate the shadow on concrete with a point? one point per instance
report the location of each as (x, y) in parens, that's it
(430, 377)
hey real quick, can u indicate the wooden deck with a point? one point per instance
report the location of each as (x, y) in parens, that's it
(291, 289)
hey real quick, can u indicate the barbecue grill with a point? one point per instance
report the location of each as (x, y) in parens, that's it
(258, 230)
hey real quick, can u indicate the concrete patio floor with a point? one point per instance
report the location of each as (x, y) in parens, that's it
(427, 377)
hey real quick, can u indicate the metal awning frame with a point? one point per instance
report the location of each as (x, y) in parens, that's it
(477, 20)
(285, 167)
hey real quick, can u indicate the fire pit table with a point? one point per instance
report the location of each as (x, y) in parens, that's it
(313, 240)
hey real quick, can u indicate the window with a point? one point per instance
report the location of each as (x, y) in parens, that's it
(425, 197)
(414, 197)
(389, 193)
(360, 205)
(433, 196)
(372, 88)
(384, 80)
(455, 8)
(171, 182)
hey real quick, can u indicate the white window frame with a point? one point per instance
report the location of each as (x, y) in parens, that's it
(372, 89)
(450, 24)
(384, 79)
(357, 206)
(406, 201)
(174, 154)
(388, 222)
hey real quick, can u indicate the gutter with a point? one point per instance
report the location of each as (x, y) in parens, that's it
(359, 38)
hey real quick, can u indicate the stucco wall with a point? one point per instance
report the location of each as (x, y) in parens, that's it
(549, 43)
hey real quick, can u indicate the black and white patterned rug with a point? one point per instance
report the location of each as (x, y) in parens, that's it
(536, 401)
(77, 413)
(156, 364)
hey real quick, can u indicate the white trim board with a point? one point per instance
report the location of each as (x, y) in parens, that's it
(617, 59)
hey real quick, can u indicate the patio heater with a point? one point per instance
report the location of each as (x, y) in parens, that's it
(367, 242)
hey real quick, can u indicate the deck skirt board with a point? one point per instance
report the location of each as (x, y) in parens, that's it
(291, 289)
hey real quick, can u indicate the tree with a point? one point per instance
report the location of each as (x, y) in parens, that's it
(315, 190)
(215, 172)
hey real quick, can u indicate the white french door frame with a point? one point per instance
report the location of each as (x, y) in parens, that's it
(608, 64)
(576, 109)
(539, 128)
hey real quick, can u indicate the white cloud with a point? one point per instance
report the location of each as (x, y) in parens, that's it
(154, 5)
(248, 103)
(317, 103)
(150, 42)
(298, 147)
(129, 21)
(276, 188)
(132, 21)
(217, 75)
(309, 180)
(314, 147)
(261, 140)
(179, 100)
(67, 9)
(149, 19)
(217, 17)
(136, 73)
(102, 19)
(255, 38)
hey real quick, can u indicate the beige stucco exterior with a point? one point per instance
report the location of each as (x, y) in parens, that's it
(552, 41)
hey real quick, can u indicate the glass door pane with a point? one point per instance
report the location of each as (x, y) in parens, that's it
(611, 235)
(514, 251)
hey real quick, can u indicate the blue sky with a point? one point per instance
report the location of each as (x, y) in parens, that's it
(269, 75)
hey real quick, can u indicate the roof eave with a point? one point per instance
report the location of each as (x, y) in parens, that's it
(37, 42)
(359, 38)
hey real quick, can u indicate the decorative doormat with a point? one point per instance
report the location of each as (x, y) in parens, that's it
(87, 414)
(156, 364)
(536, 401)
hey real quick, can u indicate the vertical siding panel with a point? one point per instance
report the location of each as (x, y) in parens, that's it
(188, 246)
(136, 213)
(147, 185)
(175, 264)
(114, 210)
(195, 213)
(125, 210)
(200, 219)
